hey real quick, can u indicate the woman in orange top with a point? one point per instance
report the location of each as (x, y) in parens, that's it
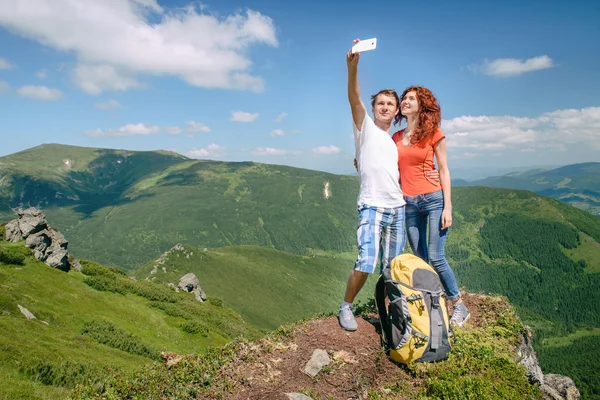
(428, 202)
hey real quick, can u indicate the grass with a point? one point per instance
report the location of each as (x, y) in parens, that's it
(481, 366)
(267, 287)
(91, 334)
(589, 251)
(567, 340)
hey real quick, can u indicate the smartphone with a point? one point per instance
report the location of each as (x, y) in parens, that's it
(364, 45)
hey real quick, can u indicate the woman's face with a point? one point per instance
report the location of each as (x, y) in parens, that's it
(409, 104)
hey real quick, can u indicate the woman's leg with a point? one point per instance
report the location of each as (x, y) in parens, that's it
(437, 254)
(416, 228)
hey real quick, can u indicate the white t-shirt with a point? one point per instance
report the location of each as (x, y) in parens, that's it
(377, 158)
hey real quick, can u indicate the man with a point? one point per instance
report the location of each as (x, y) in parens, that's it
(380, 233)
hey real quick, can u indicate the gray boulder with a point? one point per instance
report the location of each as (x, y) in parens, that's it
(76, 265)
(559, 387)
(31, 221)
(190, 283)
(39, 242)
(59, 259)
(529, 359)
(13, 233)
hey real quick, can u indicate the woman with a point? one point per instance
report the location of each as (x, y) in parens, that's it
(428, 201)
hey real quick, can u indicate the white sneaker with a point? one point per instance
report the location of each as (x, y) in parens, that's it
(461, 314)
(347, 320)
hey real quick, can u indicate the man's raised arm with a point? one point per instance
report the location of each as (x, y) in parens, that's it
(356, 105)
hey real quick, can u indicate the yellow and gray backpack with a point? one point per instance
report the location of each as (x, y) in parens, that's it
(414, 326)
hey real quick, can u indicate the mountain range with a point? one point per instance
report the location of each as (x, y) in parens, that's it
(276, 243)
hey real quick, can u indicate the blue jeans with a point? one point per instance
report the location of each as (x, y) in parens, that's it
(379, 236)
(422, 210)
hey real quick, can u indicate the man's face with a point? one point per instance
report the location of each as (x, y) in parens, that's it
(409, 104)
(385, 108)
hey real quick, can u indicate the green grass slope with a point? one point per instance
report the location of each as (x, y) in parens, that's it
(93, 324)
(269, 288)
(124, 211)
(576, 184)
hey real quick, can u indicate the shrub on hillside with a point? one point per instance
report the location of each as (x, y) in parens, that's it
(215, 301)
(106, 333)
(2, 232)
(153, 291)
(67, 374)
(92, 269)
(106, 284)
(194, 327)
(11, 256)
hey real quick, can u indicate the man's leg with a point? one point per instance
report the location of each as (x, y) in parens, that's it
(356, 281)
(368, 240)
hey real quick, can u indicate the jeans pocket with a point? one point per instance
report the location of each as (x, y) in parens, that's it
(433, 197)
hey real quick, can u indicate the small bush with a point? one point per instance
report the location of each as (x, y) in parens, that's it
(92, 269)
(215, 301)
(106, 284)
(173, 310)
(2, 231)
(106, 333)
(66, 374)
(11, 256)
(154, 292)
(194, 327)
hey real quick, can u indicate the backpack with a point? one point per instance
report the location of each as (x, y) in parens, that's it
(414, 327)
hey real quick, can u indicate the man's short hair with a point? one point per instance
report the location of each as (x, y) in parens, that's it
(389, 92)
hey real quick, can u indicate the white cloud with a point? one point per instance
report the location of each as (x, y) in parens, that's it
(110, 104)
(277, 132)
(40, 93)
(269, 151)
(326, 150)
(172, 130)
(116, 42)
(4, 87)
(3, 63)
(212, 150)
(551, 131)
(195, 127)
(506, 67)
(94, 79)
(281, 117)
(241, 116)
(126, 130)
(42, 74)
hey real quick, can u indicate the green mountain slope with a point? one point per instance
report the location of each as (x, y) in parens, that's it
(93, 324)
(269, 288)
(125, 212)
(577, 184)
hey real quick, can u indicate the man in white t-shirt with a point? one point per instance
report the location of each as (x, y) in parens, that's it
(380, 234)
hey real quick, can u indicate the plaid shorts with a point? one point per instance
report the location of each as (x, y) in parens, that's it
(380, 237)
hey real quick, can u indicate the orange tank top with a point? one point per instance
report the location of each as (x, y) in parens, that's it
(414, 161)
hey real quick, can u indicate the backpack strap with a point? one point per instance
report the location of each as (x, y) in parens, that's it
(436, 323)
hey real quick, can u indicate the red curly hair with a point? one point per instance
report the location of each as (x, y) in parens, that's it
(430, 114)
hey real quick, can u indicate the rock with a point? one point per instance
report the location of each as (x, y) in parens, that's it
(13, 233)
(58, 239)
(59, 259)
(319, 359)
(297, 396)
(76, 265)
(31, 221)
(561, 385)
(171, 285)
(189, 283)
(39, 243)
(549, 393)
(26, 312)
(170, 358)
(529, 358)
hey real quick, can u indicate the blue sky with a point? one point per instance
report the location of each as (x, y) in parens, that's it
(266, 80)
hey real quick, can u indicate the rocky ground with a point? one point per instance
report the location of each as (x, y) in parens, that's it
(274, 369)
